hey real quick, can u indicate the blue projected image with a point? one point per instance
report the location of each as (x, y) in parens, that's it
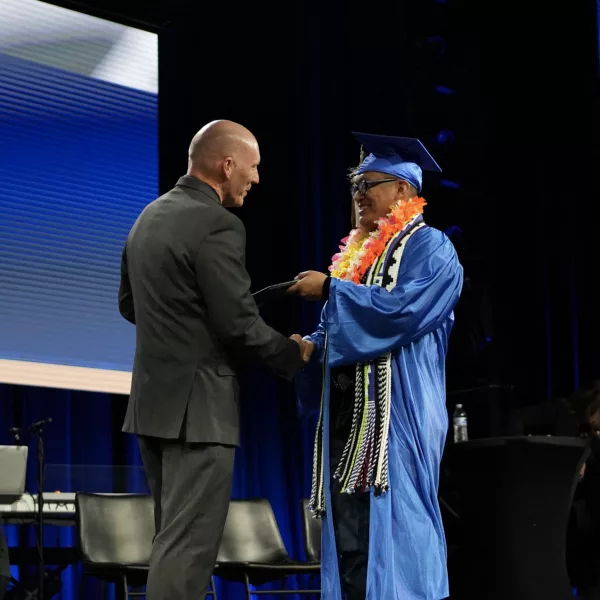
(79, 156)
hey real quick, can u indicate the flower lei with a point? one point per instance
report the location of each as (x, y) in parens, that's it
(361, 249)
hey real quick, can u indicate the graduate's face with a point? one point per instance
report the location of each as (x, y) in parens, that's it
(380, 196)
(241, 171)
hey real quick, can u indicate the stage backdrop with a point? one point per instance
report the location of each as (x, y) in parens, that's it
(79, 156)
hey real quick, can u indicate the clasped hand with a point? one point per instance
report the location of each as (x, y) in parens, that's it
(309, 285)
(306, 347)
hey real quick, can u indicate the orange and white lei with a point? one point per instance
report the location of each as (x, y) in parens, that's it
(361, 248)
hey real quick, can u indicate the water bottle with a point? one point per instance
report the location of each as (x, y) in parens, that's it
(460, 424)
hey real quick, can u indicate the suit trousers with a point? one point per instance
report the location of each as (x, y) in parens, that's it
(191, 487)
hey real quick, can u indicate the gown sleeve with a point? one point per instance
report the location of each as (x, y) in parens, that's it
(318, 337)
(364, 322)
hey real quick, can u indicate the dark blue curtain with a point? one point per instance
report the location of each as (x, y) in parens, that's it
(85, 451)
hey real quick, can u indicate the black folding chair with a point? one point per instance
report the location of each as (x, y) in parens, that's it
(311, 529)
(252, 551)
(114, 539)
(311, 533)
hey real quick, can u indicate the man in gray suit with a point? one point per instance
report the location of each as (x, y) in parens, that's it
(185, 287)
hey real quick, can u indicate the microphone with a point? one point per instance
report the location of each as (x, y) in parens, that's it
(39, 424)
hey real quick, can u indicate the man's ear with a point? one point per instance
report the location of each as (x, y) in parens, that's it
(404, 189)
(228, 167)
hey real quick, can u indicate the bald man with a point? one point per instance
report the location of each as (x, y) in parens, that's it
(185, 287)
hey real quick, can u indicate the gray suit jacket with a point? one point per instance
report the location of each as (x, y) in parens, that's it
(185, 287)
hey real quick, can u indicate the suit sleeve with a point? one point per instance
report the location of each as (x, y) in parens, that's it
(225, 287)
(125, 293)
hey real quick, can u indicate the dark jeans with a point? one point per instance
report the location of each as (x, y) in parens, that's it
(350, 513)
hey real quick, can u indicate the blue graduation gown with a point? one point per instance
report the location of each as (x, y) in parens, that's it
(407, 548)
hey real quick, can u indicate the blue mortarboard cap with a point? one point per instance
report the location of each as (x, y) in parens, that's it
(401, 157)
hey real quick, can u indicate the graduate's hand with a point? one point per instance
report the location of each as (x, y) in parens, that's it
(308, 351)
(306, 347)
(309, 286)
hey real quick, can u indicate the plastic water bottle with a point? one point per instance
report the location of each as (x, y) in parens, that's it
(460, 424)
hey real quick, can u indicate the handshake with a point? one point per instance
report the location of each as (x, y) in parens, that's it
(306, 347)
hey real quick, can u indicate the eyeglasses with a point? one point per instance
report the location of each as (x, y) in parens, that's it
(364, 185)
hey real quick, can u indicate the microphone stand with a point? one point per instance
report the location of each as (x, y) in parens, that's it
(38, 430)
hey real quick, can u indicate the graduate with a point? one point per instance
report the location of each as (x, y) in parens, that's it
(379, 353)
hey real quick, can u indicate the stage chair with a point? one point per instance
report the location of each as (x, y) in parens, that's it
(311, 529)
(252, 551)
(114, 539)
